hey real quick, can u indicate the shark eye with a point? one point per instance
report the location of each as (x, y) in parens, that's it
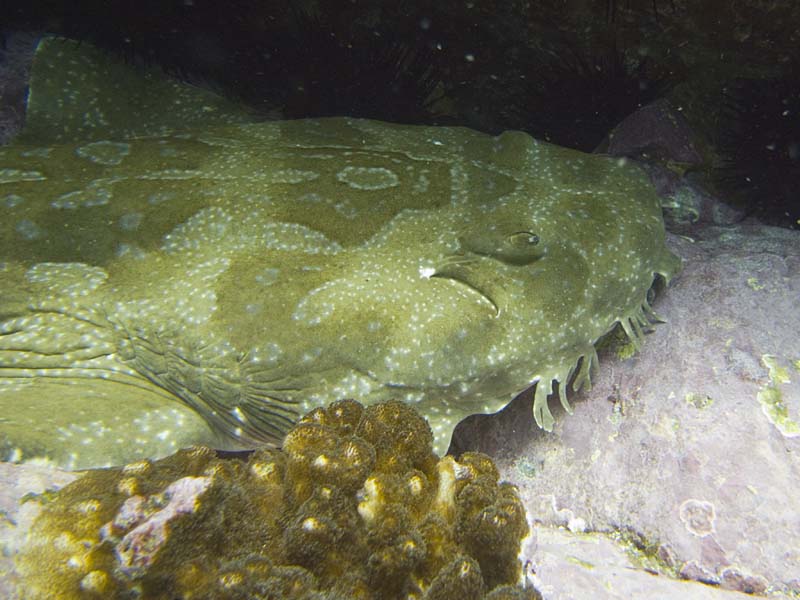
(522, 239)
(516, 249)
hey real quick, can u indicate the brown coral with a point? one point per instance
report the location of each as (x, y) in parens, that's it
(356, 505)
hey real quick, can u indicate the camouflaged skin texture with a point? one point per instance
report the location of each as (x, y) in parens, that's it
(161, 248)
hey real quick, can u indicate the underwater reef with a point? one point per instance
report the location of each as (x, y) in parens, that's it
(355, 505)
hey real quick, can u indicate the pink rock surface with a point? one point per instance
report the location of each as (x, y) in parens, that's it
(146, 531)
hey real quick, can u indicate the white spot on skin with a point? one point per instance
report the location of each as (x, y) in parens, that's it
(171, 174)
(16, 175)
(293, 176)
(130, 250)
(368, 178)
(253, 308)
(353, 385)
(37, 153)
(72, 279)
(160, 198)
(426, 272)
(272, 353)
(312, 198)
(421, 185)
(345, 209)
(28, 230)
(93, 195)
(268, 276)
(11, 201)
(311, 317)
(342, 207)
(130, 221)
(239, 415)
(104, 152)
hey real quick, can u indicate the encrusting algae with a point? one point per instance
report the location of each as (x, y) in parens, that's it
(355, 506)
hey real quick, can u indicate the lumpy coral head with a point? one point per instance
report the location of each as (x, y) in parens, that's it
(306, 522)
(189, 256)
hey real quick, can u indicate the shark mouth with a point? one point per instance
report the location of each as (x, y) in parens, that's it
(464, 273)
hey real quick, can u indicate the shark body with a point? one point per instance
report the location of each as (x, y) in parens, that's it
(162, 250)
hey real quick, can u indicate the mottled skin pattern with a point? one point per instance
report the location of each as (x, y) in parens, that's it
(255, 270)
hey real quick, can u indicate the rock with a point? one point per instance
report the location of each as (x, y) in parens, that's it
(657, 131)
(16, 55)
(576, 566)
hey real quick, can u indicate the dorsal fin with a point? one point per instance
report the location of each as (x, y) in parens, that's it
(80, 93)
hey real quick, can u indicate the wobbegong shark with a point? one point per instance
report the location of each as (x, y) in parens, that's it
(174, 270)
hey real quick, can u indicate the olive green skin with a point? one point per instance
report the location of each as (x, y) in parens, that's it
(185, 257)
